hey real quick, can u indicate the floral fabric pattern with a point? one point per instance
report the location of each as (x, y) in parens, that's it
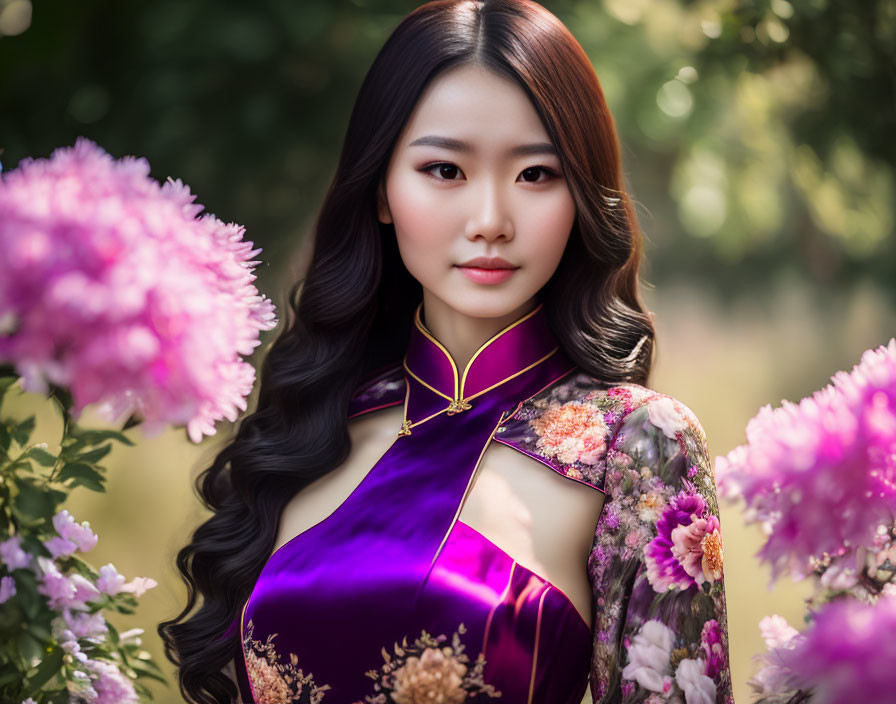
(573, 432)
(656, 562)
(656, 565)
(569, 424)
(429, 671)
(274, 682)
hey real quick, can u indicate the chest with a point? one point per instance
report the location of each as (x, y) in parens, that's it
(543, 521)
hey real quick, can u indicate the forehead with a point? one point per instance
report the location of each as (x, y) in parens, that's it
(475, 104)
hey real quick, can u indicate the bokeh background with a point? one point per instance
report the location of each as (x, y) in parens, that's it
(757, 139)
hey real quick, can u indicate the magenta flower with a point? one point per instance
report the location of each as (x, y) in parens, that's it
(687, 548)
(83, 624)
(7, 588)
(111, 582)
(820, 475)
(57, 587)
(12, 555)
(60, 547)
(77, 534)
(111, 686)
(848, 652)
(112, 287)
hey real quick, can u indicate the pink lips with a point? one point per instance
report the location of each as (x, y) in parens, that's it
(487, 270)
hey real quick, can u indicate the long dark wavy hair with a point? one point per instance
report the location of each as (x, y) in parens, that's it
(351, 314)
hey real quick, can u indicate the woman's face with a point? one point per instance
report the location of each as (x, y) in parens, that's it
(474, 175)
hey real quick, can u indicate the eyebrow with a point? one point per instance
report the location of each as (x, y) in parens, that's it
(461, 146)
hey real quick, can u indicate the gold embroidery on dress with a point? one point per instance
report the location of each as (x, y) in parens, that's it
(427, 671)
(405, 429)
(274, 682)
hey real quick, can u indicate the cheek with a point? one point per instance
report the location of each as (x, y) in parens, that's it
(422, 234)
(551, 223)
(416, 211)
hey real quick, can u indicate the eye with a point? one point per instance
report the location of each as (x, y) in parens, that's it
(446, 170)
(530, 175)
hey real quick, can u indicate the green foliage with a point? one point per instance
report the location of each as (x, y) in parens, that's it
(34, 484)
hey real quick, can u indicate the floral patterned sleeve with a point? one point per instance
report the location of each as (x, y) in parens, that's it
(661, 627)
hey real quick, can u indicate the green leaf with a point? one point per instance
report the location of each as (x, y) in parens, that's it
(41, 632)
(71, 446)
(42, 457)
(29, 646)
(64, 395)
(57, 496)
(5, 437)
(131, 422)
(50, 665)
(9, 674)
(113, 634)
(91, 484)
(80, 470)
(94, 456)
(32, 501)
(95, 437)
(21, 432)
(139, 666)
(11, 616)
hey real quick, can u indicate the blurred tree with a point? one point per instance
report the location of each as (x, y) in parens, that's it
(756, 132)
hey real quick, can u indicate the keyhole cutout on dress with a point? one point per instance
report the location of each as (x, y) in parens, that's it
(541, 519)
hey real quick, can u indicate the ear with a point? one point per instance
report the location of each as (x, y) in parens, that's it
(384, 215)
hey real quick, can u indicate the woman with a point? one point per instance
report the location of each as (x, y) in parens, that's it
(456, 485)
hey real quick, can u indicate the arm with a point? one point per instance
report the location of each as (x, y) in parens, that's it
(661, 624)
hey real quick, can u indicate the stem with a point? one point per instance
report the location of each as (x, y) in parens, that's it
(66, 426)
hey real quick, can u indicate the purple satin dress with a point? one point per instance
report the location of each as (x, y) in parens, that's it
(391, 598)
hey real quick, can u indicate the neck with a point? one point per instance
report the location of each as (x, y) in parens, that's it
(461, 334)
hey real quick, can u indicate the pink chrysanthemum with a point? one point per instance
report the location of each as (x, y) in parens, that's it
(847, 654)
(112, 287)
(821, 475)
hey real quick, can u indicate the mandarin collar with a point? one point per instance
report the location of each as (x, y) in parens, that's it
(507, 354)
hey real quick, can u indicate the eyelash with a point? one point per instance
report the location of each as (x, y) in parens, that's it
(429, 167)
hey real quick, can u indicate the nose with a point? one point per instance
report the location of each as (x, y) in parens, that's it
(490, 218)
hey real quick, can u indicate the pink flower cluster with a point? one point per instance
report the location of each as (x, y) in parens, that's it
(775, 680)
(72, 536)
(820, 476)
(100, 682)
(112, 287)
(845, 656)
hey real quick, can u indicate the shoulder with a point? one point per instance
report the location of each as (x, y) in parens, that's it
(579, 422)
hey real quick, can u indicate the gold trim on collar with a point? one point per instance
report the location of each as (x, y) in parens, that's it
(459, 403)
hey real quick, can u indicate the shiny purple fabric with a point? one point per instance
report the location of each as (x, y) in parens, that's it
(393, 560)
